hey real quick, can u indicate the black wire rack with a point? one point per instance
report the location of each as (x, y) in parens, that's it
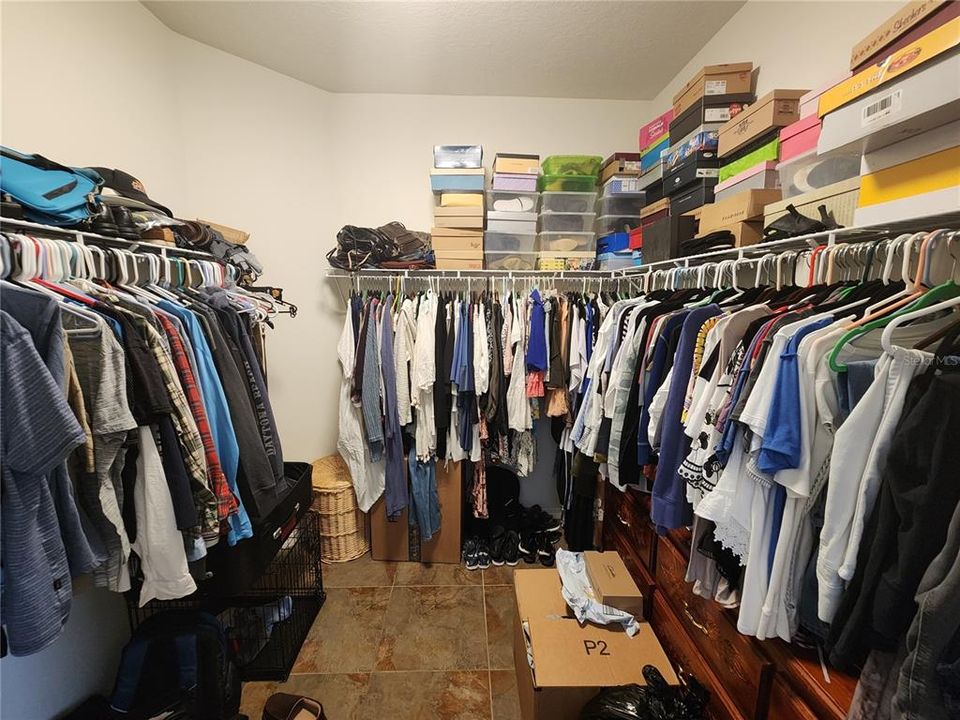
(267, 624)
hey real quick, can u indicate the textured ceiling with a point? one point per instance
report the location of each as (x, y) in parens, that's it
(575, 49)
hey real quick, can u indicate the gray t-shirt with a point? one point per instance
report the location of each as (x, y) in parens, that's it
(38, 431)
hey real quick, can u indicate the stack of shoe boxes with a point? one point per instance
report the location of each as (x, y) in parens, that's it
(618, 211)
(511, 237)
(905, 121)
(457, 181)
(567, 240)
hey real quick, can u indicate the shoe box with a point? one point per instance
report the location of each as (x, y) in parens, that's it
(708, 110)
(396, 541)
(560, 664)
(727, 79)
(776, 109)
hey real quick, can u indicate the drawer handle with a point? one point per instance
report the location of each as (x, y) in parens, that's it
(698, 626)
(622, 521)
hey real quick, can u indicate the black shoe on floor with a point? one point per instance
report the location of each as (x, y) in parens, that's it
(496, 546)
(529, 542)
(546, 553)
(470, 553)
(511, 548)
(483, 554)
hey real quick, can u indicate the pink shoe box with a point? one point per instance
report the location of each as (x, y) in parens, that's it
(810, 102)
(762, 176)
(799, 137)
(651, 133)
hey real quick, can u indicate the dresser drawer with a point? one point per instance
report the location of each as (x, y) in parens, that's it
(687, 659)
(735, 658)
(631, 511)
(785, 704)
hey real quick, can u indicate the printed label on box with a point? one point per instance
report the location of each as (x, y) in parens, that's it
(884, 107)
(708, 172)
(717, 114)
(715, 87)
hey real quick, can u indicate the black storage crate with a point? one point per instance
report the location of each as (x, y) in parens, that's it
(295, 573)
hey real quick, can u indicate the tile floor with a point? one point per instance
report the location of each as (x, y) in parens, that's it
(407, 641)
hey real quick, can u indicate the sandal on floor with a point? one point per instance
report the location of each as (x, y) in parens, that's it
(283, 706)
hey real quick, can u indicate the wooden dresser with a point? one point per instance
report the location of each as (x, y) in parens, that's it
(748, 679)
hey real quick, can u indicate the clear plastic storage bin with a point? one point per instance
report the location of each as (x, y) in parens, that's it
(510, 260)
(808, 172)
(558, 262)
(623, 204)
(568, 183)
(572, 165)
(497, 242)
(567, 222)
(512, 201)
(566, 242)
(607, 224)
(568, 202)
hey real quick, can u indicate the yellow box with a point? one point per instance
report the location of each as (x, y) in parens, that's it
(454, 199)
(932, 172)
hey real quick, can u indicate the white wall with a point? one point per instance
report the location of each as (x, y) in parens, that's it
(795, 43)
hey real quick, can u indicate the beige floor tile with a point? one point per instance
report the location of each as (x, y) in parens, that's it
(503, 690)
(427, 696)
(340, 695)
(501, 608)
(362, 572)
(429, 574)
(434, 628)
(345, 636)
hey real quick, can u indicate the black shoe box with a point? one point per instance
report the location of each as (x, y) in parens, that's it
(703, 165)
(694, 196)
(710, 109)
(662, 238)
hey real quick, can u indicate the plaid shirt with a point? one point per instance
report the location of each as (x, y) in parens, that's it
(226, 501)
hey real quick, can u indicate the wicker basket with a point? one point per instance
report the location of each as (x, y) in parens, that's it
(343, 526)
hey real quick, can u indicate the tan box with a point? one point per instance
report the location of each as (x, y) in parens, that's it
(457, 264)
(840, 199)
(653, 208)
(458, 221)
(444, 244)
(232, 235)
(391, 540)
(774, 110)
(458, 211)
(612, 582)
(161, 235)
(724, 79)
(459, 254)
(517, 164)
(461, 199)
(746, 205)
(572, 663)
(897, 25)
(744, 233)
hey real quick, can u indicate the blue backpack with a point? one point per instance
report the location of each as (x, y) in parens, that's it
(50, 193)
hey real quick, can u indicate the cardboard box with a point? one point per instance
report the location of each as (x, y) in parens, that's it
(159, 235)
(441, 182)
(654, 208)
(446, 243)
(774, 110)
(653, 131)
(710, 109)
(458, 211)
(935, 171)
(931, 45)
(517, 182)
(461, 200)
(762, 176)
(942, 15)
(936, 202)
(932, 141)
(611, 580)
(651, 158)
(810, 101)
(696, 195)
(714, 80)
(744, 233)
(458, 264)
(231, 235)
(457, 156)
(915, 103)
(572, 663)
(620, 164)
(392, 540)
(703, 141)
(516, 164)
(458, 221)
(900, 23)
(700, 166)
(840, 200)
(741, 207)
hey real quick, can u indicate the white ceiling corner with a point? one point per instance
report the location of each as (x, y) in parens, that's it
(538, 48)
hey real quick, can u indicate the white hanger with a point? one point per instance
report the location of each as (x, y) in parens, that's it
(886, 340)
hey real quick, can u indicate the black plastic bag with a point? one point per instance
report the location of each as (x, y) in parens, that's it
(657, 700)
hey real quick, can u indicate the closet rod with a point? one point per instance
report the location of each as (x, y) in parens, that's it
(97, 239)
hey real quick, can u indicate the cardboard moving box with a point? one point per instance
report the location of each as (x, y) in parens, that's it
(774, 110)
(572, 663)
